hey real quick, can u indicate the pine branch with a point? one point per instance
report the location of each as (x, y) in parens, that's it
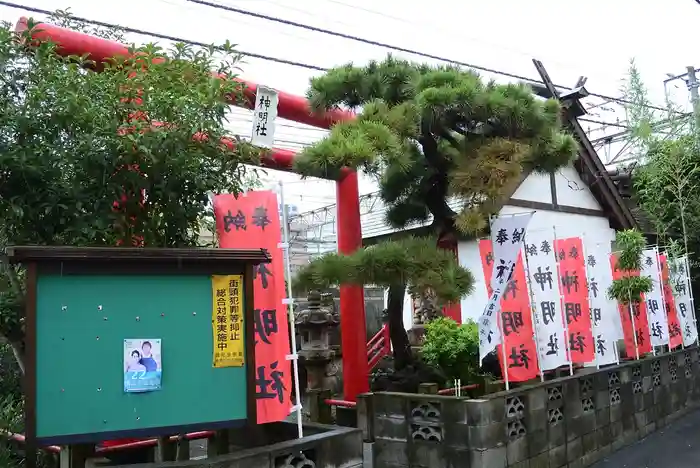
(416, 262)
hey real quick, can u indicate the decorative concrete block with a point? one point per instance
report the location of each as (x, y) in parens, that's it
(616, 430)
(602, 398)
(537, 442)
(426, 453)
(574, 449)
(487, 436)
(571, 389)
(485, 411)
(389, 453)
(640, 420)
(604, 435)
(453, 411)
(536, 420)
(615, 413)
(535, 399)
(456, 435)
(540, 461)
(589, 442)
(522, 464)
(517, 450)
(456, 458)
(556, 434)
(389, 427)
(391, 404)
(557, 456)
(489, 458)
(602, 417)
(605, 450)
(590, 458)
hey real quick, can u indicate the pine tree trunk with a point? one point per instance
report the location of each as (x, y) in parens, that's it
(397, 332)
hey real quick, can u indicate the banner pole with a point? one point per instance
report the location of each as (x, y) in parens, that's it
(499, 322)
(562, 305)
(634, 327)
(660, 272)
(692, 299)
(588, 297)
(533, 308)
(290, 312)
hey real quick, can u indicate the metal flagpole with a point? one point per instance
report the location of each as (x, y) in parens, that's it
(533, 308)
(588, 296)
(692, 299)
(499, 321)
(294, 357)
(567, 339)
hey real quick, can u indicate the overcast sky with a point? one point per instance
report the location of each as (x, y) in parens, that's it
(595, 38)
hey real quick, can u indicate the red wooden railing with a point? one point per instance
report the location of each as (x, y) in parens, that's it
(378, 347)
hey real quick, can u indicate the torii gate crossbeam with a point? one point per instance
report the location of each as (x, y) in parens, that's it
(295, 108)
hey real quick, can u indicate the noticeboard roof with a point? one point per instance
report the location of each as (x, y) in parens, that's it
(136, 255)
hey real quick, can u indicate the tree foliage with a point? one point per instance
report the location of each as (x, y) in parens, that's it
(629, 288)
(433, 135)
(452, 348)
(666, 181)
(413, 261)
(443, 144)
(145, 133)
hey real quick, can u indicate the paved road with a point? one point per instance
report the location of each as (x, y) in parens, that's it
(675, 446)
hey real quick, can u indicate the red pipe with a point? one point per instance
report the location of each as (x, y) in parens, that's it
(150, 442)
(342, 403)
(296, 108)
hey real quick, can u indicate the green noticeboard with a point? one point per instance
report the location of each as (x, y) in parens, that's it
(123, 343)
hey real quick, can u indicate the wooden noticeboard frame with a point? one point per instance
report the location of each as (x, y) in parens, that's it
(138, 265)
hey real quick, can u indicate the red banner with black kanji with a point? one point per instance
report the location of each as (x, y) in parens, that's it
(252, 221)
(641, 321)
(516, 320)
(674, 324)
(574, 290)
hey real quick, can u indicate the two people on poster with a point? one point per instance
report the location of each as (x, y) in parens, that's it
(142, 365)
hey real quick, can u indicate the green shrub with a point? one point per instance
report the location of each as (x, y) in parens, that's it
(452, 348)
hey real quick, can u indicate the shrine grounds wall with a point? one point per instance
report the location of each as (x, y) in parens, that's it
(567, 422)
(278, 447)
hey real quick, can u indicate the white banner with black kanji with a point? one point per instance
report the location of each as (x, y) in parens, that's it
(605, 318)
(680, 281)
(656, 306)
(548, 317)
(507, 234)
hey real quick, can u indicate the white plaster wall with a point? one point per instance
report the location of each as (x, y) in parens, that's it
(572, 191)
(536, 187)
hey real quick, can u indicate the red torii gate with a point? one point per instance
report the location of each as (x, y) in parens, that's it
(295, 108)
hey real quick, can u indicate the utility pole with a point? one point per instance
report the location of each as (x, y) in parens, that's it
(692, 83)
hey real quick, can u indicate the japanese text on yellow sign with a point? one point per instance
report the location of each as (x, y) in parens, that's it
(227, 320)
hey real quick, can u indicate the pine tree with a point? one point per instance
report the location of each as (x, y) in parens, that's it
(444, 145)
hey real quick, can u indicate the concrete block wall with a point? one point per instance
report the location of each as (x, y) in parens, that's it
(571, 422)
(321, 447)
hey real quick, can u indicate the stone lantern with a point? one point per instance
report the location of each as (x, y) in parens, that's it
(315, 325)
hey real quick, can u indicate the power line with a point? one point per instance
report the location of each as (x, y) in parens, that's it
(162, 36)
(394, 47)
(277, 59)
